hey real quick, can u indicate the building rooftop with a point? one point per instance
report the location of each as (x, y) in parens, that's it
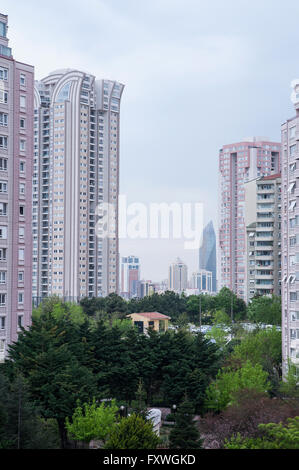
(272, 177)
(151, 315)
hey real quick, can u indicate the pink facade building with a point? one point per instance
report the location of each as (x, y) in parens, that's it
(238, 163)
(16, 154)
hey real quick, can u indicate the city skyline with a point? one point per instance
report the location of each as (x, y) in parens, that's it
(244, 57)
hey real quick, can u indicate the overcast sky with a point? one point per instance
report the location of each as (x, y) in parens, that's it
(197, 74)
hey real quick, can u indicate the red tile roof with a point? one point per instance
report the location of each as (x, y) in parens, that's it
(272, 177)
(151, 315)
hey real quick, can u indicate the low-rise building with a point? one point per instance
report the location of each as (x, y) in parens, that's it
(149, 320)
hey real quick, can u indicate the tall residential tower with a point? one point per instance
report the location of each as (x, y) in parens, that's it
(76, 167)
(238, 163)
(16, 155)
(263, 225)
(290, 237)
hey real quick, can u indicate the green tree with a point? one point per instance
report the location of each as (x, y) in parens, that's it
(184, 434)
(92, 421)
(264, 309)
(139, 406)
(21, 427)
(55, 361)
(228, 301)
(220, 317)
(262, 347)
(222, 391)
(133, 432)
(289, 386)
(274, 436)
(218, 335)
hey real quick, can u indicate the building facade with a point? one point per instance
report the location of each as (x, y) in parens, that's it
(202, 281)
(207, 253)
(239, 162)
(145, 288)
(263, 229)
(129, 276)
(76, 168)
(178, 276)
(16, 158)
(290, 238)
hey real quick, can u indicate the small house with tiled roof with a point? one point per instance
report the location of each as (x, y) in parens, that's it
(146, 320)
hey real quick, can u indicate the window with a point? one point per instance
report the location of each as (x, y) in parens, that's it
(3, 187)
(3, 233)
(292, 150)
(2, 323)
(22, 188)
(2, 254)
(3, 164)
(293, 296)
(294, 334)
(295, 316)
(3, 208)
(23, 101)
(2, 277)
(3, 73)
(2, 345)
(292, 132)
(3, 97)
(21, 254)
(2, 29)
(21, 297)
(20, 321)
(2, 299)
(3, 142)
(22, 145)
(22, 210)
(22, 123)
(21, 232)
(21, 276)
(3, 119)
(22, 79)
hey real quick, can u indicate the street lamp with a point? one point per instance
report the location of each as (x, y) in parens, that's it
(122, 411)
(173, 410)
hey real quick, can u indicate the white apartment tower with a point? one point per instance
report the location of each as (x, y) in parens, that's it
(290, 237)
(76, 167)
(263, 225)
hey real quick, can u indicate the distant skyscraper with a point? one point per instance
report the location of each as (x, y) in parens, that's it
(238, 163)
(178, 276)
(76, 167)
(207, 252)
(290, 237)
(202, 281)
(16, 155)
(129, 276)
(145, 288)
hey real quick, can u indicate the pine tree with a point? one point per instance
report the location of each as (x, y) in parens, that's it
(185, 434)
(138, 405)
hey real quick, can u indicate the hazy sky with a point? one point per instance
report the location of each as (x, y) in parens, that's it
(197, 74)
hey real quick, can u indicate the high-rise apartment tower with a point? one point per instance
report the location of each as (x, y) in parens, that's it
(16, 156)
(76, 168)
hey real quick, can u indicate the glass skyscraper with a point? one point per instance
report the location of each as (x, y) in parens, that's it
(207, 252)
